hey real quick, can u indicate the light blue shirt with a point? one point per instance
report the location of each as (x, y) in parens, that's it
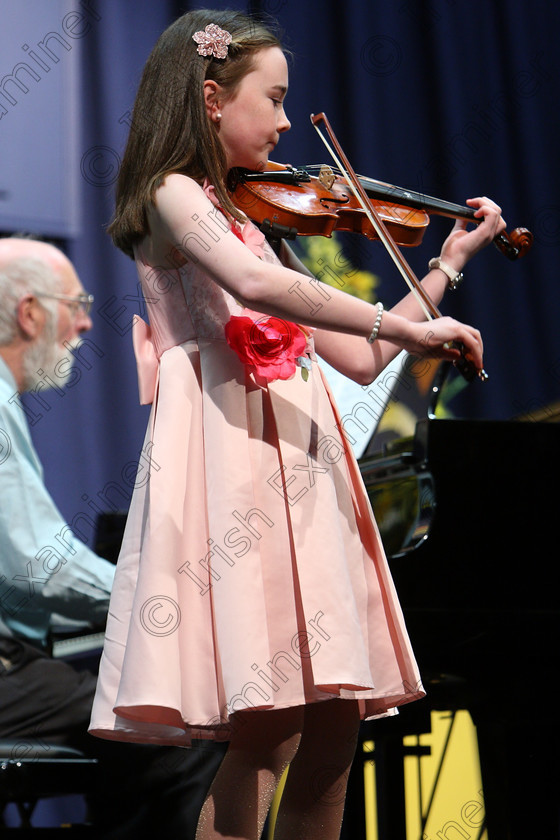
(44, 568)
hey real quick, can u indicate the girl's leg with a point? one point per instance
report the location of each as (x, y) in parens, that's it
(239, 798)
(313, 799)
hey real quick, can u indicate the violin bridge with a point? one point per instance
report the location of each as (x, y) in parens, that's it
(326, 177)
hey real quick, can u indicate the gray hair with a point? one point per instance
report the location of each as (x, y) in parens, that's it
(19, 277)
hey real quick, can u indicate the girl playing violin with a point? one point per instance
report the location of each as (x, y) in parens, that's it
(253, 601)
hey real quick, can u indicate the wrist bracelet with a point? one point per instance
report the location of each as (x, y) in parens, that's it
(455, 277)
(375, 330)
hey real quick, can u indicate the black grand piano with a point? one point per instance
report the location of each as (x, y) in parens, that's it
(469, 513)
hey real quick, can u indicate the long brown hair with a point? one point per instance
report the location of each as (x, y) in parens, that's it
(170, 129)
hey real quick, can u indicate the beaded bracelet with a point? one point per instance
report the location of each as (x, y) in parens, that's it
(375, 330)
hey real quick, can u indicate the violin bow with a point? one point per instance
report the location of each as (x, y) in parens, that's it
(464, 365)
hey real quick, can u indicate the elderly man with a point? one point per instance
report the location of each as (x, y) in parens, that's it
(45, 570)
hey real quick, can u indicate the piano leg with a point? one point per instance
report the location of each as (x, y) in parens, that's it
(354, 818)
(391, 810)
(389, 791)
(520, 767)
(388, 756)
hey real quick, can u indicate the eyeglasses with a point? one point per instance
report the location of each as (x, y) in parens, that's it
(74, 302)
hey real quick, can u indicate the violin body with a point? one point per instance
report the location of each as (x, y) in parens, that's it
(286, 202)
(317, 206)
(290, 202)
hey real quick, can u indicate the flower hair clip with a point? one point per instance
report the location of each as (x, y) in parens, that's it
(213, 41)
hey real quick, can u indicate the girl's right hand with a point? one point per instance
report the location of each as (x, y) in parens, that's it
(434, 338)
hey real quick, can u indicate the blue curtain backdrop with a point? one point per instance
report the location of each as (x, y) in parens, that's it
(450, 98)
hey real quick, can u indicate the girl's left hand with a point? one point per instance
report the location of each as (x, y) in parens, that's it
(462, 244)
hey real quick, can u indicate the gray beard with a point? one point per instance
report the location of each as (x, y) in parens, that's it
(44, 356)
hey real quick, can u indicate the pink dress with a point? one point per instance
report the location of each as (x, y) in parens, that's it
(251, 575)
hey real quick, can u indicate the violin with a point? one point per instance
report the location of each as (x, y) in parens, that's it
(286, 202)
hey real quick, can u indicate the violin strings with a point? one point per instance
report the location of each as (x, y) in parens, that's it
(377, 227)
(316, 167)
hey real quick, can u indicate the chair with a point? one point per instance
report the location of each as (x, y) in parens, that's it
(34, 770)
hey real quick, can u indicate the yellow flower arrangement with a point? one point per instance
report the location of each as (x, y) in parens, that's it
(324, 256)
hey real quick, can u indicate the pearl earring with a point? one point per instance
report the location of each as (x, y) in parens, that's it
(218, 117)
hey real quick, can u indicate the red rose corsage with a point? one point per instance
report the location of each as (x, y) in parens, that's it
(270, 347)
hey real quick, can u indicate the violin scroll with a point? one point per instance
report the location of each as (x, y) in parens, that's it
(515, 244)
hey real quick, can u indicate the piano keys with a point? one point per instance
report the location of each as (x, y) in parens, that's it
(83, 646)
